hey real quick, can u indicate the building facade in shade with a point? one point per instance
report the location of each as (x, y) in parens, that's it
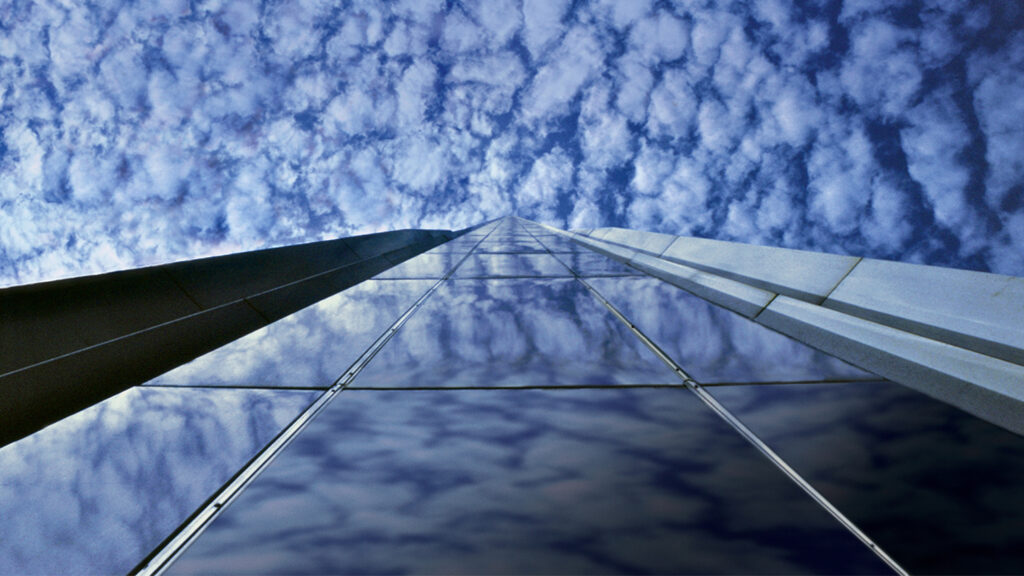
(518, 399)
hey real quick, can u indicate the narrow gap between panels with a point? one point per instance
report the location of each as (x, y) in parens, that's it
(178, 541)
(552, 276)
(765, 307)
(749, 435)
(841, 280)
(174, 281)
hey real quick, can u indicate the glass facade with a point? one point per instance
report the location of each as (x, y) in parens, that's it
(513, 402)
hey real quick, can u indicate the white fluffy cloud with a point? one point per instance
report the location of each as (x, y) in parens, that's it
(559, 80)
(1000, 111)
(549, 178)
(882, 73)
(172, 130)
(934, 143)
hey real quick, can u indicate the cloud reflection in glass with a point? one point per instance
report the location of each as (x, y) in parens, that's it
(519, 332)
(523, 481)
(97, 491)
(310, 348)
(509, 265)
(715, 345)
(937, 488)
(423, 266)
(594, 264)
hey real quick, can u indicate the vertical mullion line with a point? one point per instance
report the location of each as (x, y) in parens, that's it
(742, 429)
(188, 533)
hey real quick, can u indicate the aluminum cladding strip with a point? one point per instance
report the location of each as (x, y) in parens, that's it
(987, 387)
(978, 311)
(920, 357)
(749, 435)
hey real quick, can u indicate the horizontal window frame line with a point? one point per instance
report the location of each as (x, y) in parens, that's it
(675, 386)
(823, 382)
(232, 387)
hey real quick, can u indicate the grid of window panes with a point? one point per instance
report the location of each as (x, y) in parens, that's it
(512, 419)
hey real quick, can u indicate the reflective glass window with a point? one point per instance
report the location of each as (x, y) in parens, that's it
(428, 265)
(560, 244)
(459, 245)
(937, 488)
(97, 491)
(517, 245)
(523, 482)
(594, 264)
(511, 265)
(714, 345)
(310, 348)
(521, 332)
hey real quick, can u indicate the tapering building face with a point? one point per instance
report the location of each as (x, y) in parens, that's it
(521, 400)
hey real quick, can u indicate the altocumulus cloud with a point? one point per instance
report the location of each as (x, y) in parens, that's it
(143, 132)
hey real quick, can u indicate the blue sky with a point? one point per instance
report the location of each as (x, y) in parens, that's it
(139, 133)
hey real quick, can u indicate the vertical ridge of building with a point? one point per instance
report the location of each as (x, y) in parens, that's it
(68, 344)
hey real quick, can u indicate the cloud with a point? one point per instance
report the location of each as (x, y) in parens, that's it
(883, 73)
(934, 143)
(605, 137)
(837, 169)
(678, 200)
(1001, 115)
(560, 79)
(172, 130)
(673, 107)
(549, 179)
(542, 24)
(660, 37)
(501, 19)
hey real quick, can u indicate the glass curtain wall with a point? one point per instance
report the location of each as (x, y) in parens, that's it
(512, 402)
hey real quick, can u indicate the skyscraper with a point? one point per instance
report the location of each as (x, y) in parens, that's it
(523, 400)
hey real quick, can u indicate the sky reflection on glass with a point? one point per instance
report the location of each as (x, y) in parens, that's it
(594, 264)
(310, 348)
(715, 345)
(423, 266)
(558, 244)
(459, 246)
(97, 491)
(519, 244)
(937, 488)
(511, 265)
(513, 333)
(519, 482)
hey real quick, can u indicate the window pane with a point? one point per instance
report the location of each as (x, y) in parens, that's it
(310, 348)
(594, 264)
(428, 265)
(459, 245)
(715, 345)
(937, 488)
(520, 482)
(559, 244)
(502, 246)
(97, 491)
(513, 333)
(510, 265)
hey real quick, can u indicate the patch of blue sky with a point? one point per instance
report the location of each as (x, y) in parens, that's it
(170, 130)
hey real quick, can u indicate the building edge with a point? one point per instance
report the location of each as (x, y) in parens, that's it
(954, 335)
(69, 344)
